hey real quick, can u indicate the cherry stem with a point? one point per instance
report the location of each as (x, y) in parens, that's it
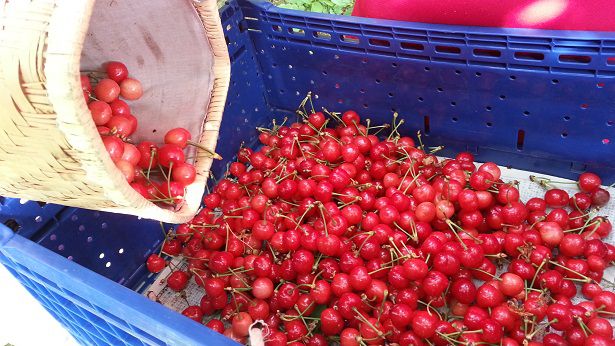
(362, 318)
(380, 128)
(384, 299)
(415, 177)
(358, 130)
(535, 276)
(540, 219)
(584, 327)
(354, 200)
(429, 308)
(239, 277)
(404, 231)
(309, 207)
(364, 241)
(204, 226)
(452, 226)
(334, 116)
(418, 136)
(212, 153)
(398, 253)
(540, 328)
(382, 267)
(237, 209)
(436, 149)
(582, 228)
(395, 126)
(601, 310)
(593, 230)
(324, 220)
(450, 339)
(587, 279)
(486, 273)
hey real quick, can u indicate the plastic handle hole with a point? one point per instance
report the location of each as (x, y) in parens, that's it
(533, 56)
(575, 59)
(412, 46)
(520, 139)
(491, 53)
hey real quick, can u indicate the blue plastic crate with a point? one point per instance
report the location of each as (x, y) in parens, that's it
(532, 99)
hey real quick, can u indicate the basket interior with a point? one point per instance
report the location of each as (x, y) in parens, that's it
(163, 45)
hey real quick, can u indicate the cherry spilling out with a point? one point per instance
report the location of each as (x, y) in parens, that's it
(339, 231)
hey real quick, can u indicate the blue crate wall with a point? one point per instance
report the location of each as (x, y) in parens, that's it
(535, 100)
(95, 310)
(246, 104)
(27, 217)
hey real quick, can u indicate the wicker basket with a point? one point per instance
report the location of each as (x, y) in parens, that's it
(50, 149)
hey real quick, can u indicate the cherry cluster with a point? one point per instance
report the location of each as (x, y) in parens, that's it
(334, 234)
(158, 173)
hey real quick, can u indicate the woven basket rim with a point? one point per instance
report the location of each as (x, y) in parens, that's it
(59, 73)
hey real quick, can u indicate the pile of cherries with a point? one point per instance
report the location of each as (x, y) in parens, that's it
(158, 173)
(332, 234)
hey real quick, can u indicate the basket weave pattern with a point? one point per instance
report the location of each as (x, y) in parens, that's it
(50, 149)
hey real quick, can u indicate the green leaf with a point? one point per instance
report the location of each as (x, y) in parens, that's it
(290, 6)
(342, 3)
(317, 7)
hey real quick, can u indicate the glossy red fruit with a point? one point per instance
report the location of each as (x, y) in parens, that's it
(215, 325)
(424, 323)
(106, 90)
(184, 173)
(556, 198)
(119, 107)
(155, 263)
(116, 71)
(178, 136)
(241, 324)
(589, 182)
(131, 89)
(149, 155)
(123, 125)
(170, 153)
(194, 313)
(101, 112)
(331, 322)
(178, 280)
(114, 146)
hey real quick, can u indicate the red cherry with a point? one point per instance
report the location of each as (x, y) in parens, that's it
(178, 280)
(331, 322)
(194, 313)
(101, 112)
(107, 90)
(131, 89)
(155, 263)
(114, 146)
(119, 107)
(116, 71)
(184, 173)
(170, 153)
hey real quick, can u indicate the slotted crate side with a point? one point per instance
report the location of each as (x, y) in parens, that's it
(532, 99)
(94, 309)
(246, 104)
(27, 217)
